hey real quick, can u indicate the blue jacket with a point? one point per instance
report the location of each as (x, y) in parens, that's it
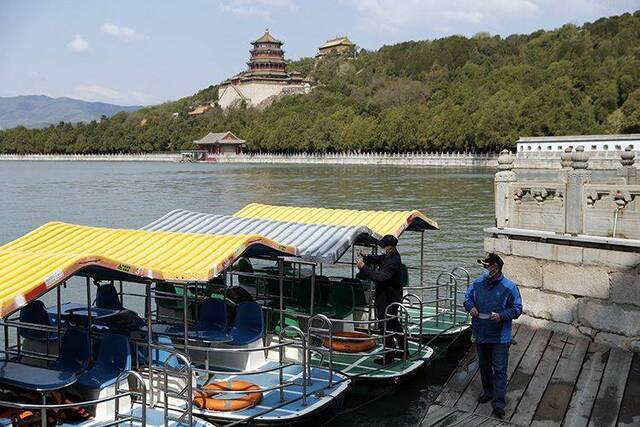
(500, 296)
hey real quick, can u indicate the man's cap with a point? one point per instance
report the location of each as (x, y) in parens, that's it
(491, 259)
(388, 240)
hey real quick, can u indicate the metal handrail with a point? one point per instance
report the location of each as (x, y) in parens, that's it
(310, 328)
(188, 389)
(44, 407)
(302, 336)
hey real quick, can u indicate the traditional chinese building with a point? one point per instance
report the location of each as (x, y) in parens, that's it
(221, 143)
(265, 80)
(339, 45)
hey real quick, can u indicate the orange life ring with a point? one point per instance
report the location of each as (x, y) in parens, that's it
(344, 342)
(237, 401)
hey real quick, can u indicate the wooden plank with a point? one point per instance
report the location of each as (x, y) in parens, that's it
(630, 408)
(555, 400)
(586, 389)
(516, 353)
(605, 410)
(435, 414)
(469, 399)
(524, 370)
(539, 379)
(454, 418)
(459, 381)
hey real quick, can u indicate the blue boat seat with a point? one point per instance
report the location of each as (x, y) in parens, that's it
(74, 354)
(107, 297)
(35, 312)
(248, 325)
(114, 357)
(212, 315)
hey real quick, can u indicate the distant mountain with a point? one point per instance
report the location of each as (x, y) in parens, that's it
(39, 110)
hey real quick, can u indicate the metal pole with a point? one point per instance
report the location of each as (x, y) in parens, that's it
(281, 275)
(121, 293)
(185, 318)
(455, 301)
(59, 322)
(353, 261)
(313, 288)
(422, 258)
(88, 282)
(149, 337)
(43, 413)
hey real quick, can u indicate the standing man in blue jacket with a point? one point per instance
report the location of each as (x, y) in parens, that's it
(493, 301)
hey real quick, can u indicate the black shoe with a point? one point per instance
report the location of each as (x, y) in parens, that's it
(484, 398)
(498, 412)
(383, 360)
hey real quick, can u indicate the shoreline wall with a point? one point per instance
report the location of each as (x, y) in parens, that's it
(541, 161)
(150, 157)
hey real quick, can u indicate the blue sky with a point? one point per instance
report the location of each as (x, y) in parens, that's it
(146, 52)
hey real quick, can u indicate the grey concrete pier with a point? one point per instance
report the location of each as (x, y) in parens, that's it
(553, 379)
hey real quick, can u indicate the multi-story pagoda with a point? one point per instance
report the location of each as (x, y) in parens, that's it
(265, 80)
(267, 57)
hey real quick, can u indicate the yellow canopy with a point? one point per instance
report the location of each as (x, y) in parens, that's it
(381, 222)
(39, 260)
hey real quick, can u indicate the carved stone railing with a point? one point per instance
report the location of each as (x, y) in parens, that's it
(572, 204)
(538, 206)
(612, 210)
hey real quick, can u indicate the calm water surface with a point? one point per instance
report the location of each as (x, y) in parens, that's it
(130, 195)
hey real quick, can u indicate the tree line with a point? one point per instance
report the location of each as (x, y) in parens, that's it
(452, 94)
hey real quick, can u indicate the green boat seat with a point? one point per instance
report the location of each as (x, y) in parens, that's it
(171, 303)
(342, 299)
(404, 275)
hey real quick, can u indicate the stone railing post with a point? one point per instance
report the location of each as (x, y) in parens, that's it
(503, 179)
(577, 177)
(565, 161)
(628, 171)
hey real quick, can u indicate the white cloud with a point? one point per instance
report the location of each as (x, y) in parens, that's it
(436, 18)
(263, 9)
(78, 44)
(123, 33)
(95, 92)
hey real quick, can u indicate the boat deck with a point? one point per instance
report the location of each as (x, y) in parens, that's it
(291, 408)
(445, 324)
(553, 379)
(357, 366)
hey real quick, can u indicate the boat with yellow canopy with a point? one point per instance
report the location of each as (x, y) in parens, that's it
(91, 343)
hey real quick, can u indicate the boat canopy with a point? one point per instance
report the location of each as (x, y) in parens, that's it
(315, 242)
(380, 222)
(45, 257)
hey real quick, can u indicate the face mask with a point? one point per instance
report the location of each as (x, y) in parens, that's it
(486, 272)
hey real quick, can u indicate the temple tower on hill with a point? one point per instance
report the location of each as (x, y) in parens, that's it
(266, 79)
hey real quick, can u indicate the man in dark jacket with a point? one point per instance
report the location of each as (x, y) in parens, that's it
(493, 301)
(388, 280)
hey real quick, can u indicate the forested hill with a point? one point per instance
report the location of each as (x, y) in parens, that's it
(454, 93)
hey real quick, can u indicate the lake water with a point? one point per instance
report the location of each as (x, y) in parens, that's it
(130, 195)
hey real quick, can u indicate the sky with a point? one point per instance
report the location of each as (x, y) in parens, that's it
(147, 52)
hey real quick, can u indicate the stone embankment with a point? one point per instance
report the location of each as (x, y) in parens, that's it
(150, 157)
(401, 159)
(572, 244)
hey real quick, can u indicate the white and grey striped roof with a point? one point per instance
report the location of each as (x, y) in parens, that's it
(315, 242)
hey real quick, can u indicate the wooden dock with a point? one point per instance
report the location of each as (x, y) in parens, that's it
(553, 380)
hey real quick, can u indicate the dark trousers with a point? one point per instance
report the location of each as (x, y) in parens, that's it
(393, 324)
(493, 360)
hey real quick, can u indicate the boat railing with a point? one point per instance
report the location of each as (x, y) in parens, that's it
(321, 328)
(14, 347)
(184, 371)
(119, 418)
(447, 299)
